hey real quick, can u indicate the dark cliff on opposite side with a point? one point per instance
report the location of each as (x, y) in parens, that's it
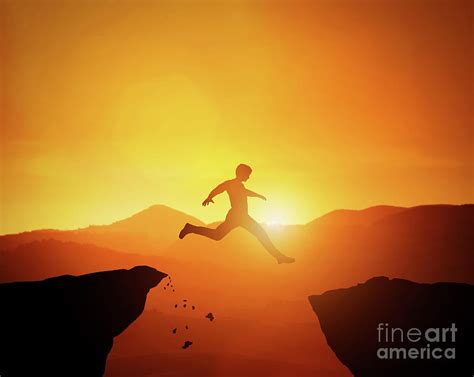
(358, 324)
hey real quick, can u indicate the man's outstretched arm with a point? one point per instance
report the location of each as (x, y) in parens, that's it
(218, 190)
(254, 194)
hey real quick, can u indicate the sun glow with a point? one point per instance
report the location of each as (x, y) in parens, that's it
(274, 224)
(276, 219)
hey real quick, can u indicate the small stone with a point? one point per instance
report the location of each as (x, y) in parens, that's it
(186, 344)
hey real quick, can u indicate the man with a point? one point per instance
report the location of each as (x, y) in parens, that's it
(237, 215)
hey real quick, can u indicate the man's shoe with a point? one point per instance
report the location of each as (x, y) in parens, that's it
(184, 231)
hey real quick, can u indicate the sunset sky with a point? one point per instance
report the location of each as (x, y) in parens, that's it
(110, 107)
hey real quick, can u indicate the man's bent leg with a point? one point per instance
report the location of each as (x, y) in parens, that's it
(256, 229)
(216, 234)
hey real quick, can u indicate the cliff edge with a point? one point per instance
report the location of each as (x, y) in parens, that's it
(400, 328)
(64, 326)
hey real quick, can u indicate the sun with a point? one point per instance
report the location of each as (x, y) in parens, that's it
(274, 224)
(277, 215)
(275, 220)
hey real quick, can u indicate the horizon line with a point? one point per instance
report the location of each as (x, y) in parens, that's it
(219, 221)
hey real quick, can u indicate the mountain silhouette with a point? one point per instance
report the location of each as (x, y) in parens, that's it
(430, 218)
(146, 232)
(429, 243)
(65, 326)
(157, 219)
(44, 258)
(358, 323)
(350, 217)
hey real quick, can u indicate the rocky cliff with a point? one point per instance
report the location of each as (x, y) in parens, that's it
(64, 326)
(400, 328)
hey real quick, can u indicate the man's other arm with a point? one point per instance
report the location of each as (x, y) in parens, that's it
(254, 194)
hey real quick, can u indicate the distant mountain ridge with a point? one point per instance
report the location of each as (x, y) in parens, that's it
(351, 217)
(145, 232)
(430, 217)
(155, 229)
(41, 259)
(146, 220)
(437, 216)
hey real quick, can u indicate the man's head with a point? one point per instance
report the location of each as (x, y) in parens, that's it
(243, 172)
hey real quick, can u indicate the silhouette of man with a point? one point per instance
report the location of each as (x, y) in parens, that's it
(237, 215)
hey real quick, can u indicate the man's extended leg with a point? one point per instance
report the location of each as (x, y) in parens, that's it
(216, 234)
(256, 229)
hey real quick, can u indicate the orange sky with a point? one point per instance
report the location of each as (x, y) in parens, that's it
(109, 107)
